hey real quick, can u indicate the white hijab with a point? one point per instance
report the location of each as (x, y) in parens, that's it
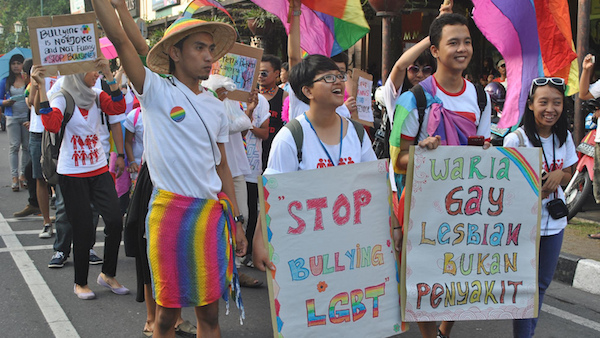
(84, 96)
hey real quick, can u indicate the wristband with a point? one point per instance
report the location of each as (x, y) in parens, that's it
(132, 162)
(45, 104)
(121, 155)
(296, 13)
(110, 83)
(397, 228)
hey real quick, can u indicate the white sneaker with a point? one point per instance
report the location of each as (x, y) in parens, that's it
(47, 231)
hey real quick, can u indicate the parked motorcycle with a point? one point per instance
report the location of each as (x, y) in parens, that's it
(497, 95)
(580, 186)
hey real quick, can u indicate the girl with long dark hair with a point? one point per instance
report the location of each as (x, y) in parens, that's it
(545, 126)
(12, 92)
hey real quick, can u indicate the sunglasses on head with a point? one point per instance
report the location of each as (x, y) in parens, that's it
(542, 81)
(426, 70)
(264, 73)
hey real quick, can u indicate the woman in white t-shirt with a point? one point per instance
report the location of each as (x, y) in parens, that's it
(545, 126)
(83, 171)
(328, 139)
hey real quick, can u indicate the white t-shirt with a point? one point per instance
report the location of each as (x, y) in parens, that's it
(595, 91)
(137, 128)
(297, 108)
(565, 157)
(35, 120)
(236, 155)
(390, 95)
(103, 133)
(80, 151)
(180, 149)
(253, 143)
(283, 157)
(464, 103)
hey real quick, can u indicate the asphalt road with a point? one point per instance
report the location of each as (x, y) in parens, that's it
(36, 301)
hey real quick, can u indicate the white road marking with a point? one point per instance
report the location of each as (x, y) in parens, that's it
(36, 232)
(55, 316)
(43, 247)
(571, 317)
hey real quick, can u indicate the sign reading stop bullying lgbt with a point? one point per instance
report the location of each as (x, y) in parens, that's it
(328, 234)
(471, 234)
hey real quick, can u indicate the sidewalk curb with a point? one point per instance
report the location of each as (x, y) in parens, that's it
(578, 272)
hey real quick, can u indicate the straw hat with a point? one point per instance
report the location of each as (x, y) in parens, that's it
(223, 34)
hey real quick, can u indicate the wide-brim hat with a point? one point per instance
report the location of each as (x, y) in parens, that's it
(224, 37)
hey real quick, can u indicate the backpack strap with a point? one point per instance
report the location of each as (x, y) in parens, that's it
(67, 114)
(296, 130)
(521, 140)
(419, 94)
(360, 130)
(481, 97)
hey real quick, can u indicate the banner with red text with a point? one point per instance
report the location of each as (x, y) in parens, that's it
(471, 234)
(328, 232)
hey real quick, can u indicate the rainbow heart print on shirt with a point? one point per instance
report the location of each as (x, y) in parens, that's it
(177, 114)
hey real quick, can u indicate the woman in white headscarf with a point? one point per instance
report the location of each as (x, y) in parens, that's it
(83, 171)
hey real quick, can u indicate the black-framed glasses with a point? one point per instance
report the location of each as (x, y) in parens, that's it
(426, 70)
(502, 66)
(542, 81)
(330, 78)
(264, 73)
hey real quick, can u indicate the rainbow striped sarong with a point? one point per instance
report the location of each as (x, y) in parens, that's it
(190, 250)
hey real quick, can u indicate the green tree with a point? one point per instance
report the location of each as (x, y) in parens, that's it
(13, 11)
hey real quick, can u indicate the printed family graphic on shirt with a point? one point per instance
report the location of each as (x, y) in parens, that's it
(84, 150)
(325, 162)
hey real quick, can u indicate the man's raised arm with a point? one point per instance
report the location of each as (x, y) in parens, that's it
(127, 53)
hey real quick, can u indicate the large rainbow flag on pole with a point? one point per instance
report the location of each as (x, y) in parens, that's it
(534, 37)
(327, 27)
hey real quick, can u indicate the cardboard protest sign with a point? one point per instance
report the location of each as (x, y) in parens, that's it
(241, 64)
(471, 234)
(65, 44)
(361, 87)
(329, 238)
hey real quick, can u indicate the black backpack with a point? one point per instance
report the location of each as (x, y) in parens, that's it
(296, 129)
(419, 94)
(51, 143)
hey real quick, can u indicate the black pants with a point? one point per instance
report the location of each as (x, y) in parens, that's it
(31, 186)
(78, 193)
(252, 213)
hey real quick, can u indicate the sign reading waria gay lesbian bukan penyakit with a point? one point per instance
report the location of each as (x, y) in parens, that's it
(328, 232)
(471, 234)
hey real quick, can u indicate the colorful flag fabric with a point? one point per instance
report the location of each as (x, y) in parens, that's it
(532, 37)
(194, 5)
(327, 27)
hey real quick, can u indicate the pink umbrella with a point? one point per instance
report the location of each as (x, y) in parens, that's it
(107, 48)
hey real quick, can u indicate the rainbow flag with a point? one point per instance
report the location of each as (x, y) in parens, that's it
(194, 5)
(327, 27)
(534, 37)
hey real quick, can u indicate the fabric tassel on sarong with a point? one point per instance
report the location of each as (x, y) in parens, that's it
(191, 250)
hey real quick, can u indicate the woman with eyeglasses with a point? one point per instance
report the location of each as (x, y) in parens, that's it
(545, 126)
(328, 138)
(12, 92)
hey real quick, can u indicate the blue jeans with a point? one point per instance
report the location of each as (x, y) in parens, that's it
(18, 137)
(549, 252)
(35, 150)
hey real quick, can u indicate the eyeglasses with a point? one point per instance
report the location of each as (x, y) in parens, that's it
(542, 81)
(263, 73)
(330, 78)
(502, 66)
(425, 70)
